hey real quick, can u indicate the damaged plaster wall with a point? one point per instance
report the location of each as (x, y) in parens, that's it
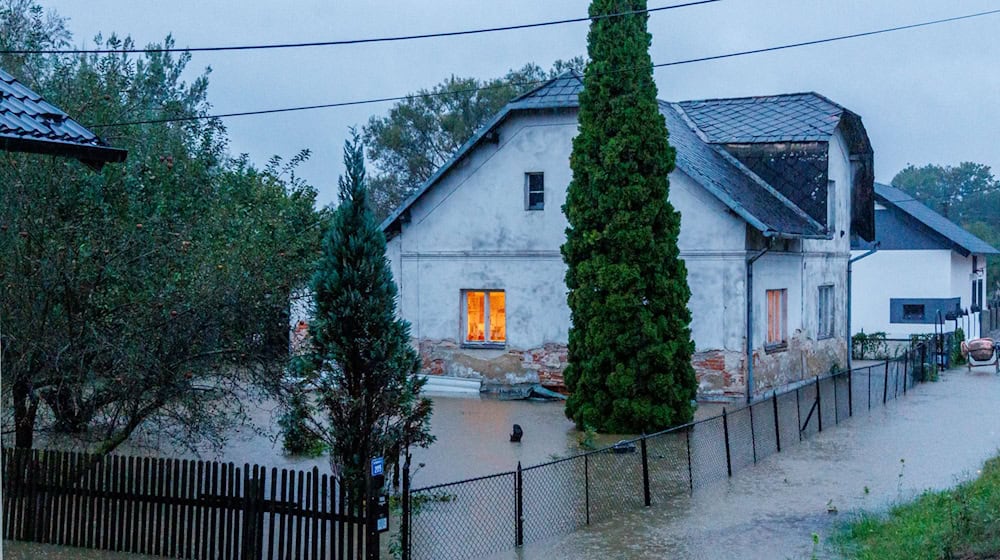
(472, 232)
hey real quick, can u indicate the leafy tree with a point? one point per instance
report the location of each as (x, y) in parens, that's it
(422, 132)
(967, 194)
(360, 363)
(150, 296)
(630, 346)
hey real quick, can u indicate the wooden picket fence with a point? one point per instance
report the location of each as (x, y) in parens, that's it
(177, 508)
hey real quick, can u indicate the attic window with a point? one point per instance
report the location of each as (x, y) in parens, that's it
(485, 317)
(534, 191)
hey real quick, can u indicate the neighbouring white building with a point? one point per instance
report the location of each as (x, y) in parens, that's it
(770, 190)
(925, 267)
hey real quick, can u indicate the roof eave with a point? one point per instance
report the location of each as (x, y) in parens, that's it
(92, 156)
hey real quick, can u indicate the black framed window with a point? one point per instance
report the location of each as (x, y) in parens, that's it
(534, 191)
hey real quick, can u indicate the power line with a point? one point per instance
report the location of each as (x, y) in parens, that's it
(360, 41)
(538, 82)
(830, 39)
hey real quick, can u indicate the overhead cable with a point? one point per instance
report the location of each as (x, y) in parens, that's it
(359, 41)
(539, 82)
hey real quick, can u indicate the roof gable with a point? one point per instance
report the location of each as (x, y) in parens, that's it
(734, 183)
(28, 123)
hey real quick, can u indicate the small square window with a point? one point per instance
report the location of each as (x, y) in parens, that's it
(913, 312)
(485, 317)
(534, 191)
(777, 319)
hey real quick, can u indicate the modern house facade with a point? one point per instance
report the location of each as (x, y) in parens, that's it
(770, 191)
(925, 267)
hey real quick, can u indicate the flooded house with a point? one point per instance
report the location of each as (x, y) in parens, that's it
(770, 190)
(936, 267)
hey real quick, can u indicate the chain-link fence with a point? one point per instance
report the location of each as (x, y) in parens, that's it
(487, 515)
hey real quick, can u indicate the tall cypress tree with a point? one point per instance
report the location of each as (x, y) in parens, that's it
(362, 362)
(630, 346)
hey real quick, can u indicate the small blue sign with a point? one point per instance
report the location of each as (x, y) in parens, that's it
(378, 466)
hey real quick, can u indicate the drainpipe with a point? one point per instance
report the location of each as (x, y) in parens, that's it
(850, 264)
(749, 336)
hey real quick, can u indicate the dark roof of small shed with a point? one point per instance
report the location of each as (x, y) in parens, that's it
(28, 123)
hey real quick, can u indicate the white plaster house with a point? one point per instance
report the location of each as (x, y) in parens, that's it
(925, 264)
(475, 251)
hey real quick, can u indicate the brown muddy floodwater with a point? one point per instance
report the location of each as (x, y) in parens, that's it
(936, 436)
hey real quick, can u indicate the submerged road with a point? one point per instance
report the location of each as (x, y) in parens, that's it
(935, 437)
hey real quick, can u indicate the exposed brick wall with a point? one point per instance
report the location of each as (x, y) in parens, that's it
(511, 366)
(721, 373)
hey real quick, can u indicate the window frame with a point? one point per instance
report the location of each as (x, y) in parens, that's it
(826, 328)
(464, 326)
(528, 192)
(771, 345)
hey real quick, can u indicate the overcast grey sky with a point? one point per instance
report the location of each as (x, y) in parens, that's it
(929, 95)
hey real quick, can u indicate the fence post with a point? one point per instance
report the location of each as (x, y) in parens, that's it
(586, 485)
(819, 405)
(836, 404)
(906, 367)
(777, 430)
(518, 508)
(798, 414)
(885, 384)
(923, 361)
(404, 520)
(725, 432)
(869, 387)
(687, 441)
(850, 393)
(645, 472)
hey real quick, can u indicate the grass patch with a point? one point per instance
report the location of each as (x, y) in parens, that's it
(962, 523)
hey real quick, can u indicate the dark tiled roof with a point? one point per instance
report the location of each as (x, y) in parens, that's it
(891, 196)
(563, 91)
(736, 186)
(795, 117)
(31, 124)
(712, 166)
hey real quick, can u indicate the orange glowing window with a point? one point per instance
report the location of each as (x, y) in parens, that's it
(777, 317)
(485, 316)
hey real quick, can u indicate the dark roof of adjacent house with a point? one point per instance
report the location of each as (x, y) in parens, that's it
(910, 224)
(701, 152)
(28, 123)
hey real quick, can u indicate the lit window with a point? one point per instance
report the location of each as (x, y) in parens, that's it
(534, 191)
(485, 317)
(777, 317)
(825, 328)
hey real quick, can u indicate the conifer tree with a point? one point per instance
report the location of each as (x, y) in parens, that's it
(630, 346)
(361, 361)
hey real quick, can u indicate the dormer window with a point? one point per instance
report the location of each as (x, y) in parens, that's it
(534, 191)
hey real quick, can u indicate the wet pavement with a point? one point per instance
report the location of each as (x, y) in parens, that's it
(941, 431)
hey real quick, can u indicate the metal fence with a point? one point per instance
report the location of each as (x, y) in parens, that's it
(175, 508)
(487, 515)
